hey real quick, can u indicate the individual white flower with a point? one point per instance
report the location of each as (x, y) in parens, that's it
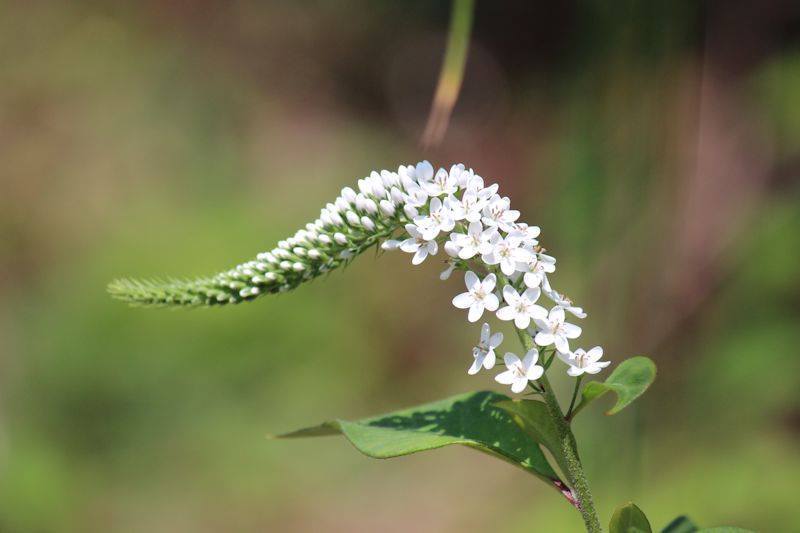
(537, 268)
(521, 308)
(423, 171)
(460, 175)
(418, 245)
(439, 219)
(520, 372)
(498, 213)
(580, 361)
(562, 300)
(484, 351)
(442, 183)
(479, 296)
(507, 252)
(554, 330)
(476, 241)
(415, 195)
(529, 233)
(468, 207)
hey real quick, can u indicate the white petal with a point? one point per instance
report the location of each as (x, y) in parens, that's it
(522, 321)
(530, 358)
(471, 280)
(506, 313)
(519, 385)
(420, 256)
(532, 295)
(557, 314)
(476, 365)
(534, 372)
(538, 312)
(409, 246)
(485, 333)
(495, 340)
(510, 359)
(475, 312)
(510, 295)
(463, 300)
(489, 283)
(491, 302)
(572, 331)
(489, 360)
(561, 344)
(594, 354)
(574, 371)
(508, 267)
(542, 338)
(506, 378)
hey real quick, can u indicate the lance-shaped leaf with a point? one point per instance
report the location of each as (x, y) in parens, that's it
(533, 418)
(629, 381)
(470, 419)
(629, 519)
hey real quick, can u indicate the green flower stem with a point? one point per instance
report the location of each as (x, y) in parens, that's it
(577, 477)
(574, 397)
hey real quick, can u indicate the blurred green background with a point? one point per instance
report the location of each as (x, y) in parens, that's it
(656, 144)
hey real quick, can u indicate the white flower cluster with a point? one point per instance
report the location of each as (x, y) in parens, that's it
(455, 210)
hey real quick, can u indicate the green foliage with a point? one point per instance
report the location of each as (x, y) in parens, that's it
(629, 381)
(628, 518)
(683, 524)
(533, 417)
(471, 419)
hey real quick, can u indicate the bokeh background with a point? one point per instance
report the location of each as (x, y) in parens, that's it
(656, 143)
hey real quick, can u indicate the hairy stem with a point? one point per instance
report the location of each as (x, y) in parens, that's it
(577, 477)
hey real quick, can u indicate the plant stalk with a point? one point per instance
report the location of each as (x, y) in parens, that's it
(577, 477)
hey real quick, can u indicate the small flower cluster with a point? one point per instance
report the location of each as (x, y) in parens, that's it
(452, 210)
(455, 210)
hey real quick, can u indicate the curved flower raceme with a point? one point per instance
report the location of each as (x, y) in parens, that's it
(418, 211)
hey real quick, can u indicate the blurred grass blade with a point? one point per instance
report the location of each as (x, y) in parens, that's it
(629, 381)
(470, 419)
(451, 74)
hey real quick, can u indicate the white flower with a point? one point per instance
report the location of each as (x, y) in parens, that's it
(521, 308)
(581, 361)
(468, 207)
(520, 372)
(479, 296)
(529, 233)
(537, 268)
(475, 241)
(423, 171)
(439, 219)
(484, 351)
(418, 245)
(561, 300)
(507, 252)
(497, 213)
(553, 330)
(442, 183)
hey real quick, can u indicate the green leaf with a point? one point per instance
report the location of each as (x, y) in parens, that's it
(469, 419)
(533, 418)
(629, 519)
(629, 381)
(725, 529)
(682, 524)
